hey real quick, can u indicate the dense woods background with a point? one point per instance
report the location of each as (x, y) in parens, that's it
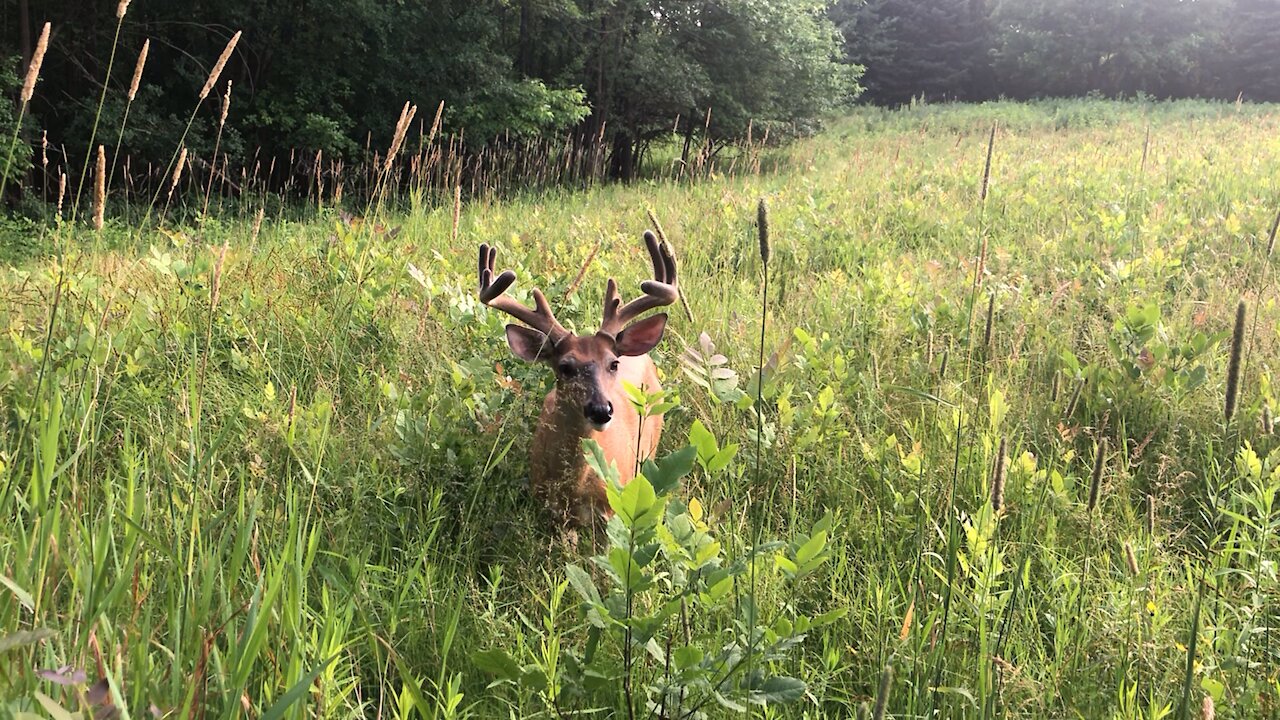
(332, 76)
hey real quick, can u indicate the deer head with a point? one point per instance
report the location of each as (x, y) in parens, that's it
(586, 366)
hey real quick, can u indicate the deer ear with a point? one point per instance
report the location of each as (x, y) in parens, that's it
(528, 344)
(641, 336)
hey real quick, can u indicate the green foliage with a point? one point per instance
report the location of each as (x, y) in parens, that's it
(333, 78)
(14, 161)
(304, 494)
(672, 625)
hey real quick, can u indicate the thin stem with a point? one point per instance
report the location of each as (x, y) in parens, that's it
(97, 116)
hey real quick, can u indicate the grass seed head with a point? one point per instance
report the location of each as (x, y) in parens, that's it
(986, 168)
(1233, 365)
(1151, 515)
(100, 189)
(882, 697)
(216, 72)
(216, 284)
(1099, 465)
(62, 191)
(121, 9)
(762, 227)
(998, 475)
(1207, 711)
(1130, 559)
(137, 69)
(33, 67)
(257, 225)
(457, 208)
(177, 169)
(402, 128)
(226, 105)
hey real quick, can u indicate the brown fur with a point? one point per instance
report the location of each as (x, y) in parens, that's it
(558, 471)
(590, 400)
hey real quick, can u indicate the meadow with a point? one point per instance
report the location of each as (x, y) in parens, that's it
(270, 467)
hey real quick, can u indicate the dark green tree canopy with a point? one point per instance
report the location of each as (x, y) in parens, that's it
(332, 75)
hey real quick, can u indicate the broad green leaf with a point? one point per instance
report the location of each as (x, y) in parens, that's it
(687, 657)
(811, 549)
(23, 638)
(23, 596)
(581, 582)
(779, 689)
(497, 662)
(705, 443)
(51, 706)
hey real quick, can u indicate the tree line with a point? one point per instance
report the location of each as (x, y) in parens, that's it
(1024, 49)
(332, 75)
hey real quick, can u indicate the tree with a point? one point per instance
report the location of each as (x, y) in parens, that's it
(329, 75)
(745, 63)
(1076, 47)
(937, 49)
(1246, 60)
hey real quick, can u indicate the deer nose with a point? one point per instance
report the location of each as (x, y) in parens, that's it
(599, 412)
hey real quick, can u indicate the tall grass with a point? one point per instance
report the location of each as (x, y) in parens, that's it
(271, 465)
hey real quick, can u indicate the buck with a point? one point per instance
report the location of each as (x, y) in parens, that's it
(589, 400)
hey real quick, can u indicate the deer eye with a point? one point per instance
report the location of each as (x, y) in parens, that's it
(613, 366)
(567, 370)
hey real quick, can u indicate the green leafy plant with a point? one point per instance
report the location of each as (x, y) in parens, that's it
(671, 626)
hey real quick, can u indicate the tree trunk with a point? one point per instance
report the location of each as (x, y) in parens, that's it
(525, 56)
(622, 161)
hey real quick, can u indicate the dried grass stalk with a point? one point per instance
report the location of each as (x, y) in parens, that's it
(257, 226)
(402, 128)
(177, 170)
(216, 72)
(226, 105)
(216, 284)
(1130, 559)
(33, 67)
(62, 191)
(100, 189)
(137, 69)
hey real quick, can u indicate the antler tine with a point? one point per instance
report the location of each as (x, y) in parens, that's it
(492, 291)
(664, 261)
(659, 291)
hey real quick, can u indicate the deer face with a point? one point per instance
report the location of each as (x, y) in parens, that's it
(586, 367)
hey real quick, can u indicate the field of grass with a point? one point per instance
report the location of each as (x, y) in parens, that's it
(280, 471)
